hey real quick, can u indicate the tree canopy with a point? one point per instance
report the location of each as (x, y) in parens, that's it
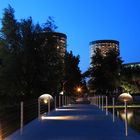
(30, 62)
(105, 72)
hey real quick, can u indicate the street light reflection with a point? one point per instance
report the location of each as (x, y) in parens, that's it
(72, 109)
(129, 115)
(81, 117)
(57, 117)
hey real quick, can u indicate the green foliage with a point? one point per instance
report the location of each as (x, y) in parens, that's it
(52, 66)
(130, 79)
(73, 77)
(10, 30)
(105, 72)
(50, 26)
(31, 64)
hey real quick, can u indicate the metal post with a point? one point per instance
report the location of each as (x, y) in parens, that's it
(126, 124)
(49, 105)
(1, 132)
(59, 101)
(92, 100)
(55, 102)
(21, 117)
(99, 102)
(65, 101)
(102, 103)
(113, 102)
(62, 100)
(117, 113)
(38, 108)
(69, 100)
(106, 105)
(96, 101)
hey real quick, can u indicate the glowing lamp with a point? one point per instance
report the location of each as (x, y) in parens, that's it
(45, 101)
(125, 97)
(79, 89)
(45, 98)
(61, 93)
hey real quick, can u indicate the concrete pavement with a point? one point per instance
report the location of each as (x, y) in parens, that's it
(75, 122)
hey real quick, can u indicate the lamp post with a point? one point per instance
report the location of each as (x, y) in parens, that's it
(113, 104)
(63, 93)
(63, 85)
(21, 117)
(21, 113)
(46, 99)
(126, 98)
(61, 99)
(39, 108)
(79, 89)
(102, 102)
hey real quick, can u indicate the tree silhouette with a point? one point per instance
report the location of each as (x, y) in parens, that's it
(105, 72)
(32, 64)
(73, 75)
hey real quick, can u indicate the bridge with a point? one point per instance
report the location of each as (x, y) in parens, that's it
(75, 122)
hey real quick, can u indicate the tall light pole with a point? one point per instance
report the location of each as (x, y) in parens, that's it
(63, 86)
(126, 98)
(79, 89)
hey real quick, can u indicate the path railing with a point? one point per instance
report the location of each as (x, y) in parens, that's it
(102, 103)
(14, 117)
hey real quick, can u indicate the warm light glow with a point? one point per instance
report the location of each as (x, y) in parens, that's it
(78, 117)
(125, 97)
(45, 98)
(45, 101)
(129, 114)
(61, 93)
(0, 134)
(79, 89)
(72, 109)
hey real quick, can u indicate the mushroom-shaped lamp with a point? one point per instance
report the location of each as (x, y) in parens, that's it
(125, 97)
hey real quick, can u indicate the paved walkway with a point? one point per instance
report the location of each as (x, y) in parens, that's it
(75, 122)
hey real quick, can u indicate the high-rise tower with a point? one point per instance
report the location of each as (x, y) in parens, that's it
(104, 46)
(60, 41)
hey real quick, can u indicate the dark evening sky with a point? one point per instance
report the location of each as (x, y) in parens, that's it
(84, 21)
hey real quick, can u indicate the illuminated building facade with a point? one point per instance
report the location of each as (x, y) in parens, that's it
(60, 41)
(104, 46)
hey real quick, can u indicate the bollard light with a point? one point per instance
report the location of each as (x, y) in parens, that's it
(46, 99)
(126, 98)
(61, 93)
